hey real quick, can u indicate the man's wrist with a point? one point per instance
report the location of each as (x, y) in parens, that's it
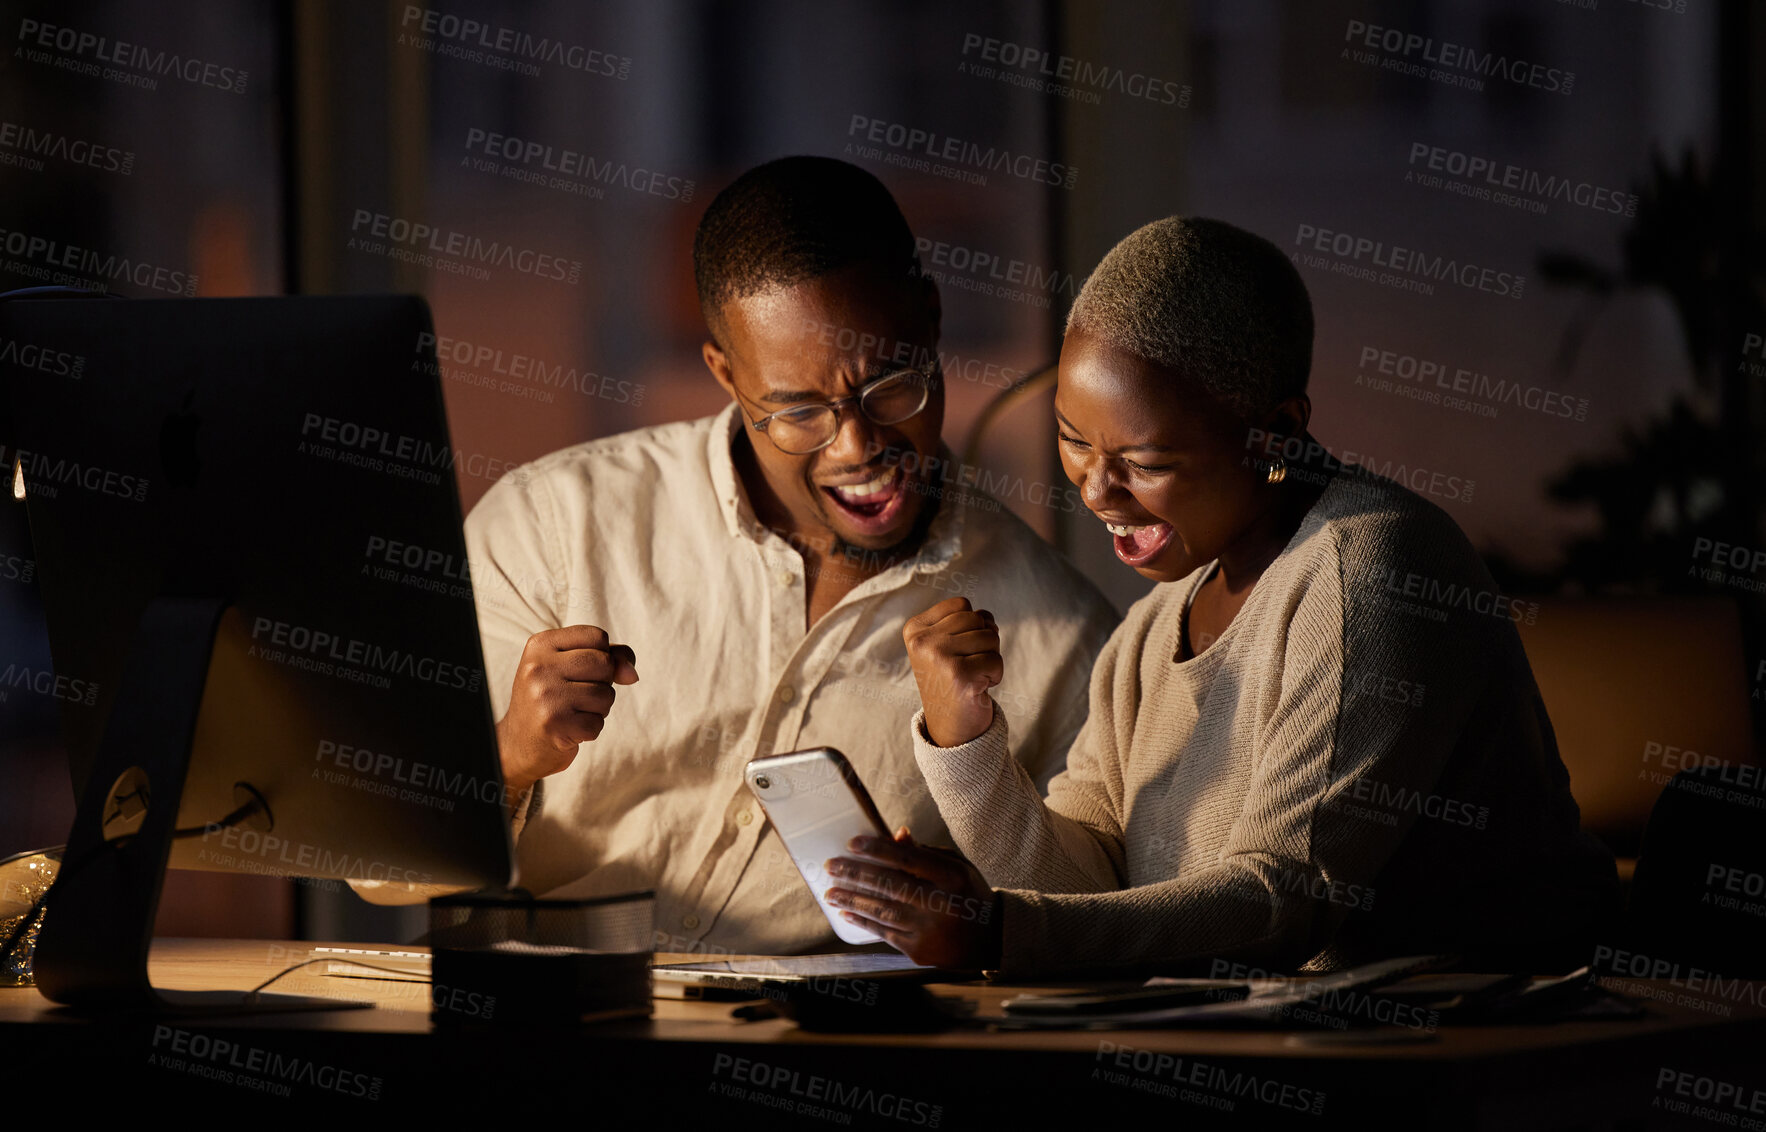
(514, 786)
(516, 778)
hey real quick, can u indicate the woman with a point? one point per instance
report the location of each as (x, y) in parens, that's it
(1315, 743)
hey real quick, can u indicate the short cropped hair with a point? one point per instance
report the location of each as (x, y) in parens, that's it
(1217, 304)
(791, 220)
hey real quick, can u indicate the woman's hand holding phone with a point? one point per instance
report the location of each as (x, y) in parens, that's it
(955, 651)
(931, 904)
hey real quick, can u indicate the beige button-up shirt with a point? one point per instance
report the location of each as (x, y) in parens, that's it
(650, 536)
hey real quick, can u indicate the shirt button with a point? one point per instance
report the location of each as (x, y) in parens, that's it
(745, 817)
(787, 693)
(787, 578)
(689, 921)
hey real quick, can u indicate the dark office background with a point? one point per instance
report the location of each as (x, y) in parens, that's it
(1636, 314)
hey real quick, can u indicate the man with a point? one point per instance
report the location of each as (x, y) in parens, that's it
(757, 568)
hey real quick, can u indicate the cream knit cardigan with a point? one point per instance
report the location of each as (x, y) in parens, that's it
(1359, 766)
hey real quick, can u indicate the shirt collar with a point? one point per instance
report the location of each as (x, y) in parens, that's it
(732, 498)
(943, 537)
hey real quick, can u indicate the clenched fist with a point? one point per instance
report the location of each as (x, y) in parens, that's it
(955, 651)
(563, 691)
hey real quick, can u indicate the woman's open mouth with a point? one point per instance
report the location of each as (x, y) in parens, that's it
(1137, 546)
(874, 505)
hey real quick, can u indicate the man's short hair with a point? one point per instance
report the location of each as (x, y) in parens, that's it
(791, 220)
(1217, 304)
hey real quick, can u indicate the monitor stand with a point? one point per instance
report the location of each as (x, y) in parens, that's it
(98, 916)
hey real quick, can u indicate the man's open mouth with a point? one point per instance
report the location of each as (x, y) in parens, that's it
(873, 505)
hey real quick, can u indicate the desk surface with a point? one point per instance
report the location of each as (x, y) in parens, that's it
(1474, 1075)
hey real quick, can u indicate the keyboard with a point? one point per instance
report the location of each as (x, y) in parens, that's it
(373, 963)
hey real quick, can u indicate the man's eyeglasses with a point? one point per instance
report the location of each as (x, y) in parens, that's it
(801, 429)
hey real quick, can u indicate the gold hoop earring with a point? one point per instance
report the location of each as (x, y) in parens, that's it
(1278, 471)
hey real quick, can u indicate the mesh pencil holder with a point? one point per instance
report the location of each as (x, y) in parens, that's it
(511, 959)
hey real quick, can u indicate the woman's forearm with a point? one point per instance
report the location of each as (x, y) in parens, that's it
(1000, 821)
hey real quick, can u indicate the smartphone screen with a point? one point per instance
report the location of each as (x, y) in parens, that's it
(816, 803)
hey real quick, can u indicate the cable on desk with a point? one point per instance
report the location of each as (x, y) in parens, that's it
(252, 994)
(238, 815)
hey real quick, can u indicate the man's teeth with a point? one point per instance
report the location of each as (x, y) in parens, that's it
(1123, 531)
(869, 487)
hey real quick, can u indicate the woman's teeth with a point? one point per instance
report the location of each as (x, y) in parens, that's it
(869, 487)
(1123, 531)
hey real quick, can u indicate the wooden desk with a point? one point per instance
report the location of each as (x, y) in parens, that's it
(693, 1061)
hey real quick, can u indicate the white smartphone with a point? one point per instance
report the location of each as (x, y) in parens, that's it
(817, 803)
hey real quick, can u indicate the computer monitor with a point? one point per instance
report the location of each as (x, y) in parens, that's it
(249, 546)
